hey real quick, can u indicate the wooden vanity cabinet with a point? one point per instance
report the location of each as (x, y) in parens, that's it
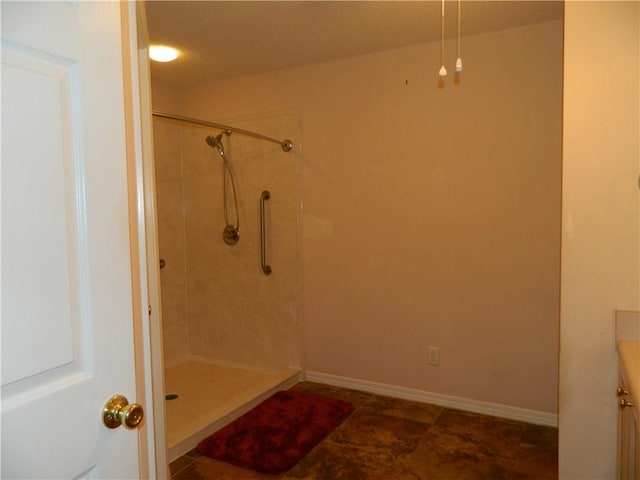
(628, 434)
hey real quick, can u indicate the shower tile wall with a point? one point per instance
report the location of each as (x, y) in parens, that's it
(235, 313)
(168, 163)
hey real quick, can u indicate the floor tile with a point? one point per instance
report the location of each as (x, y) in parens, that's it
(394, 439)
(447, 456)
(396, 407)
(355, 397)
(488, 434)
(344, 462)
(462, 445)
(371, 431)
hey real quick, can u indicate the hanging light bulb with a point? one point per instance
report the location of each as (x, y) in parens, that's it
(459, 59)
(443, 71)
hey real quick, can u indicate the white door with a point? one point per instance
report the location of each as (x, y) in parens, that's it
(67, 328)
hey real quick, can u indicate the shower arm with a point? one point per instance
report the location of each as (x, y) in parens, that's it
(286, 144)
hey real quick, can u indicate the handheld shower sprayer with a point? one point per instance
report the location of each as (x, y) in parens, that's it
(230, 233)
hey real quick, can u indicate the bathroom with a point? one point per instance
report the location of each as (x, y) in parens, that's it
(440, 315)
(417, 192)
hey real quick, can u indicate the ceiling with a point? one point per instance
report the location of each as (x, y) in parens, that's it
(226, 39)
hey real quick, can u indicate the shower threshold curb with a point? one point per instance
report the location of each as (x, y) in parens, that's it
(183, 446)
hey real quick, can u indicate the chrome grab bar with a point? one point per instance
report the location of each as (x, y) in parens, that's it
(266, 269)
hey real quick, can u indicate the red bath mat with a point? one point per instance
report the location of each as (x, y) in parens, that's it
(278, 432)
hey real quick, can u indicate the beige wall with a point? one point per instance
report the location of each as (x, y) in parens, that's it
(431, 215)
(601, 223)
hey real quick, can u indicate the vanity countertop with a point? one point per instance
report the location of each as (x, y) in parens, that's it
(629, 353)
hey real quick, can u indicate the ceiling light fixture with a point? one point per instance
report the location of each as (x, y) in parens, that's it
(162, 53)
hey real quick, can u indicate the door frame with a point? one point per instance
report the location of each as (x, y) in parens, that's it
(147, 315)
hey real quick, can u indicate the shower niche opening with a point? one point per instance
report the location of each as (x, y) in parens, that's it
(231, 334)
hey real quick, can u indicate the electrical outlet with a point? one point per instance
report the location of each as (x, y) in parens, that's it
(433, 357)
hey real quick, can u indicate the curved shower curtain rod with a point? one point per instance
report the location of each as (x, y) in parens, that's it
(286, 144)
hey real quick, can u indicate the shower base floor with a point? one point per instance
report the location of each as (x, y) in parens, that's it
(212, 395)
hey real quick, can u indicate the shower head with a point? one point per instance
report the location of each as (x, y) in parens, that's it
(214, 142)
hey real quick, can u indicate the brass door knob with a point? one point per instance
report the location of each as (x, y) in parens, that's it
(117, 411)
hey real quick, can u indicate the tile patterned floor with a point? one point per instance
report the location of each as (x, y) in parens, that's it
(392, 439)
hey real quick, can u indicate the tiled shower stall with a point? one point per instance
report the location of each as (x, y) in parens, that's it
(231, 333)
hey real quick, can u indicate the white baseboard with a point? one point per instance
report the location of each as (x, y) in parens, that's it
(459, 403)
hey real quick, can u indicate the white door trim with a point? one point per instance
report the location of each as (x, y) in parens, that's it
(144, 245)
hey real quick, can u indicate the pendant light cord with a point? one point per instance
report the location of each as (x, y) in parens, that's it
(442, 35)
(443, 70)
(458, 28)
(459, 59)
